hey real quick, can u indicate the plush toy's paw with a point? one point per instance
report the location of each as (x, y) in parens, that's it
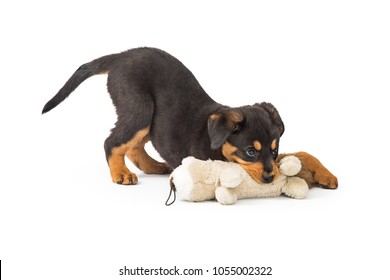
(326, 179)
(230, 177)
(225, 196)
(290, 165)
(296, 188)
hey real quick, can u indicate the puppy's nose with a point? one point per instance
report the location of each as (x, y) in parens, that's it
(267, 178)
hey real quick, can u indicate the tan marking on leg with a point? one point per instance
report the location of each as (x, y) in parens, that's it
(146, 163)
(321, 175)
(119, 172)
(136, 153)
(304, 174)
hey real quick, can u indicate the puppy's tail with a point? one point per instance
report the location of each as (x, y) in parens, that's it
(98, 66)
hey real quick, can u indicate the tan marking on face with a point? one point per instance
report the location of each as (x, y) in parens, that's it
(254, 169)
(273, 144)
(235, 116)
(228, 150)
(215, 117)
(257, 145)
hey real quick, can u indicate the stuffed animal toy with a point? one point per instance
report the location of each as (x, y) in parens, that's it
(199, 180)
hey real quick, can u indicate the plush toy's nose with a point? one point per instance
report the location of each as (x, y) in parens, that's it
(267, 178)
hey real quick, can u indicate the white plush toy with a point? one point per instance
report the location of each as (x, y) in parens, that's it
(199, 180)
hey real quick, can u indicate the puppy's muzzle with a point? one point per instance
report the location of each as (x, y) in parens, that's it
(267, 177)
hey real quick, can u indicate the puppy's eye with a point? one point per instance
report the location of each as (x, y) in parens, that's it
(250, 152)
(275, 152)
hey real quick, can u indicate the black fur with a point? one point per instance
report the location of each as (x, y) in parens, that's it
(151, 88)
(85, 71)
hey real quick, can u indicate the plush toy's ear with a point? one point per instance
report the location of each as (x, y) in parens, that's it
(222, 124)
(290, 166)
(274, 115)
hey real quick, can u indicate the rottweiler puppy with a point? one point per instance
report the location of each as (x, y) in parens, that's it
(158, 99)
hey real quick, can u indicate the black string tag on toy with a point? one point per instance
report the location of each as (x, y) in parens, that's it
(173, 190)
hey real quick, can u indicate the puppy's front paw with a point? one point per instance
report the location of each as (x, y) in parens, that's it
(326, 179)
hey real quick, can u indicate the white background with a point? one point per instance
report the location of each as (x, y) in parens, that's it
(324, 64)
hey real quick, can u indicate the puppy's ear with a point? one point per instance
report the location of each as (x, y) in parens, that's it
(222, 124)
(274, 115)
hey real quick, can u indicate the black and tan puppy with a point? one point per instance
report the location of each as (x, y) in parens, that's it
(157, 98)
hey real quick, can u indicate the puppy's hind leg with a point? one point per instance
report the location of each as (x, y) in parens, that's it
(116, 146)
(135, 109)
(134, 149)
(143, 161)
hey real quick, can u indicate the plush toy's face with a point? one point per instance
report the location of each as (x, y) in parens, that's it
(249, 136)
